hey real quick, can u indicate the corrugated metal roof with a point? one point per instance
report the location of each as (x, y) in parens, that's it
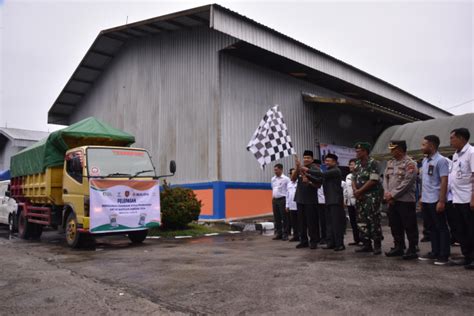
(22, 134)
(110, 42)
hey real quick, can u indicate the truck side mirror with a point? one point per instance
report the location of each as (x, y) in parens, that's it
(172, 166)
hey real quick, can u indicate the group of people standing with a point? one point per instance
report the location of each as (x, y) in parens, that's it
(311, 202)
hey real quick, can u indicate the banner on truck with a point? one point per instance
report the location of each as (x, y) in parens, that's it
(344, 154)
(124, 205)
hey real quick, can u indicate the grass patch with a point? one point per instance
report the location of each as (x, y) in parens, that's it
(194, 230)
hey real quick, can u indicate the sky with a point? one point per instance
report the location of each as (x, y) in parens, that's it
(425, 48)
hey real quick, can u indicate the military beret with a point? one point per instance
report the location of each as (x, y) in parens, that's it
(332, 156)
(397, 143)
(363, 145)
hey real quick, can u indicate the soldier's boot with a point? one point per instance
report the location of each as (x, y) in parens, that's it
(367, 247)
(377, 247)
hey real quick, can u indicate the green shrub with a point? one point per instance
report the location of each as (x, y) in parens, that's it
(179, 207)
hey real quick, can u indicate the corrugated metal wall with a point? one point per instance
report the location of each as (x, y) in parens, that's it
(172, 90)
(253, 33)
(248, 91)
(165, 91)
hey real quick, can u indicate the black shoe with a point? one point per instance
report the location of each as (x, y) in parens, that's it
(313, 245)
(328, 246)
(294, 239)
(428, 257)
(340, 248)
(469, 266)
(284, 238)
(425, 239)
(302, 245)
(460, 262)
(355, 243)
(323, 242)
(410, 254)
(277, 237)
(365, 248)
(395, 252)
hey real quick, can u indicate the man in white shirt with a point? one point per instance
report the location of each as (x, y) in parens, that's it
(291, 208)
(350, 202)
(462, 187)
(279, 191)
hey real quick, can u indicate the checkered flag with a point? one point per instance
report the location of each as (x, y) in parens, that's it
(271, 140)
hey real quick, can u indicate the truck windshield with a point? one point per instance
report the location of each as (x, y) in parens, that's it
(111, 162)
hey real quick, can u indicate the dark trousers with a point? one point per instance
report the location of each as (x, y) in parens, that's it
(309, 223)
(335, 225)
(289, 225)
(465, 229)
(322, 220)
(451, 217)
(294, 223)
(440, 238)
(353, 219)
(402, 218)
(427, 223)
(279, 215)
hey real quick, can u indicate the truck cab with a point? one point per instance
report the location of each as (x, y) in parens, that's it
(86, 164)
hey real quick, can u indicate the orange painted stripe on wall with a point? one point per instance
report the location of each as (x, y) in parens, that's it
(241, 202)
(207, 198)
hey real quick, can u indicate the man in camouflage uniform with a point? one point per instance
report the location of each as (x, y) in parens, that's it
(368, 192)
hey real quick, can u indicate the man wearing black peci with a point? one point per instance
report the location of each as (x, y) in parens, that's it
(333, 193)
(306, 198)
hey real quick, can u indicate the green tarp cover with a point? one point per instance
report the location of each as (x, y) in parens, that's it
(50, 151)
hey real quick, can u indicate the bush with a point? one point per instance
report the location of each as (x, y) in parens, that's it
(179, 207)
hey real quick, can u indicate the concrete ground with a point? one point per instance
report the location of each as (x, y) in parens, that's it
(232, 274)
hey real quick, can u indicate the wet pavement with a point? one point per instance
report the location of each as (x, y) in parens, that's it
(231, 274)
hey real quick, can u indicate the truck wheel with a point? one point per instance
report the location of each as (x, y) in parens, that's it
(137, 236)
(73, 237)
(24, 228)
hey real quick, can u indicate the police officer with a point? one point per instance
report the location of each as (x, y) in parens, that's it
(400, 185)
(368, 193)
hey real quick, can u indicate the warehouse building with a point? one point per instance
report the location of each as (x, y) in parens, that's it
(193, 85)
(13, 140)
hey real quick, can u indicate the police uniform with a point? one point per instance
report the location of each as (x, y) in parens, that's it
(368, 207)
(400, 181)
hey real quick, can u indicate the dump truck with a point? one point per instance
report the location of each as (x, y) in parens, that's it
(86, 181)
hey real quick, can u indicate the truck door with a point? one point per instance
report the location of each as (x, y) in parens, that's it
(75, 184)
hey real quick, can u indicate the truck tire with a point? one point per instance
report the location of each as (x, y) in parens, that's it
(74, 238)
(137, 237)
(24, 227)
